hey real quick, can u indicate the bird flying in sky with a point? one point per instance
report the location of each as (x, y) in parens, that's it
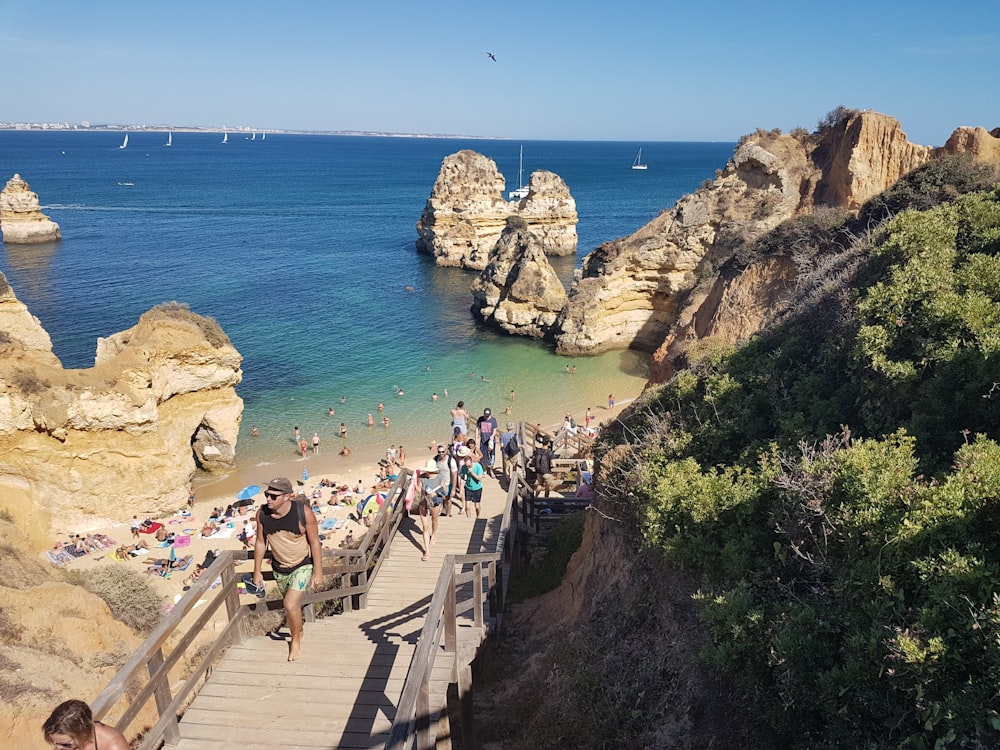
(490, 55)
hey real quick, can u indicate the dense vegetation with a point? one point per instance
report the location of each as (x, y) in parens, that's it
(834, 482)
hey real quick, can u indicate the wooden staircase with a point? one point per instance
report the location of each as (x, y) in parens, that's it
(343, 691)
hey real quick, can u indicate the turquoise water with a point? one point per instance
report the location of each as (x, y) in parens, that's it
(302, 247)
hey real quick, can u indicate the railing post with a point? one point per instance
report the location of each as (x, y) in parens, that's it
(450, 617)
(232, 595)
(171, 732)
(423, 717)
(477, 596)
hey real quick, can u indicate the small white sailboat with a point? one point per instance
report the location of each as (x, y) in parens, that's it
(522, 190)
(125, 142)
(263, 136)
(254, 136)
(170, 139)
(225, 137)
(637, 164)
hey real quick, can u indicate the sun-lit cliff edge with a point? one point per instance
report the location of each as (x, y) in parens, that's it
(84, 447)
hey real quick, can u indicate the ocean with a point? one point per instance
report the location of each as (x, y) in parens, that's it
(302, 247)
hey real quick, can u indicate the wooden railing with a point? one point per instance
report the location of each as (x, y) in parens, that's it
(147, 673)
(489, 574)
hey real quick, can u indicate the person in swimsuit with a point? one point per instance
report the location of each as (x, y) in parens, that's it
(458, 417)
(289, 528)
(432, 496)
(71, 726)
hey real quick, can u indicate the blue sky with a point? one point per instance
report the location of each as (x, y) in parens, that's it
(584, 70)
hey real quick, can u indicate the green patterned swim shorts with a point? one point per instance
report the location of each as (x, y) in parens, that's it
(297, 580)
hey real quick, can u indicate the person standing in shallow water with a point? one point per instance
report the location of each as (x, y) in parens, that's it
(289, 528)
(458, 419)
(71, 726)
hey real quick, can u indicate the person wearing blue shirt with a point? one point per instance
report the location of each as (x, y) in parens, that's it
(471, 475)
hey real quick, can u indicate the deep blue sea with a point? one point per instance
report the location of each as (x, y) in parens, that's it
(302, 247)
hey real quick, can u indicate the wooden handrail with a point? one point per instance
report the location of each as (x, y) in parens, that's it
(356, 569)
(411, 726)
(171, 640)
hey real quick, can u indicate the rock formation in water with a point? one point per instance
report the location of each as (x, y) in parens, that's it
(549, 212)
(466, 212)
(631, 291)
(518, 291)
(85, 447)
(21, 220)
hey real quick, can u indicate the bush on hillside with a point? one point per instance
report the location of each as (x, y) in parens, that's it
(128, 593)
(850, 574)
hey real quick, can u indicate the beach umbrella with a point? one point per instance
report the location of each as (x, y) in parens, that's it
(246, 495)
(248, 492)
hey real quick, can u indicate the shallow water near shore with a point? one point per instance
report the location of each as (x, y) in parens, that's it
(302, 247)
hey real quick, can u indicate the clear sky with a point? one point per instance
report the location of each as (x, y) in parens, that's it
(631, 70)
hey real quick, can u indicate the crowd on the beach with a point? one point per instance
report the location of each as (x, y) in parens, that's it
(330, 512)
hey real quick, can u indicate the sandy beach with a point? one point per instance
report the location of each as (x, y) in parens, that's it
(219, 492)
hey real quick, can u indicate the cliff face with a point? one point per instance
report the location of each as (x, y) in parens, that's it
(978, 142)
(733, 308)
(518, 291)
(861, 158)
(21, 220)
(466, 212)
(85, 447)
(632, 290)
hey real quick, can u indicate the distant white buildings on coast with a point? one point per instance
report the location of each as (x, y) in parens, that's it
(59, 126)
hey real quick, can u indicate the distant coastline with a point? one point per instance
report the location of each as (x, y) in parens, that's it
(62, 127)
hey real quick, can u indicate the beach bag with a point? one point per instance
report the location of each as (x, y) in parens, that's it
(510, 450)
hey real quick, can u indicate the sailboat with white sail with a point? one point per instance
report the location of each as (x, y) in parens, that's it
(522, 190)
(125, 142)
(637, 164)
(225, 137)
(170, 139)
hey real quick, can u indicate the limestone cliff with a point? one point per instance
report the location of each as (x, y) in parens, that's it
(466, 212)
(549, 212)
(737, 305)
(978, 142)
(83, 447)
(631, 290)
(518, 291)
(21, 220)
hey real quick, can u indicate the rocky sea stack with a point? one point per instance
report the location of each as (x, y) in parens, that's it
(518, 291)
(466, 212)
(21, 220)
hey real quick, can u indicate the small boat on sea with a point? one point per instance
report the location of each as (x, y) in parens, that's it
(126, 184)
(225, 137)
(522, 190)
(125, 142)
(637, 164)
(170, 139)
